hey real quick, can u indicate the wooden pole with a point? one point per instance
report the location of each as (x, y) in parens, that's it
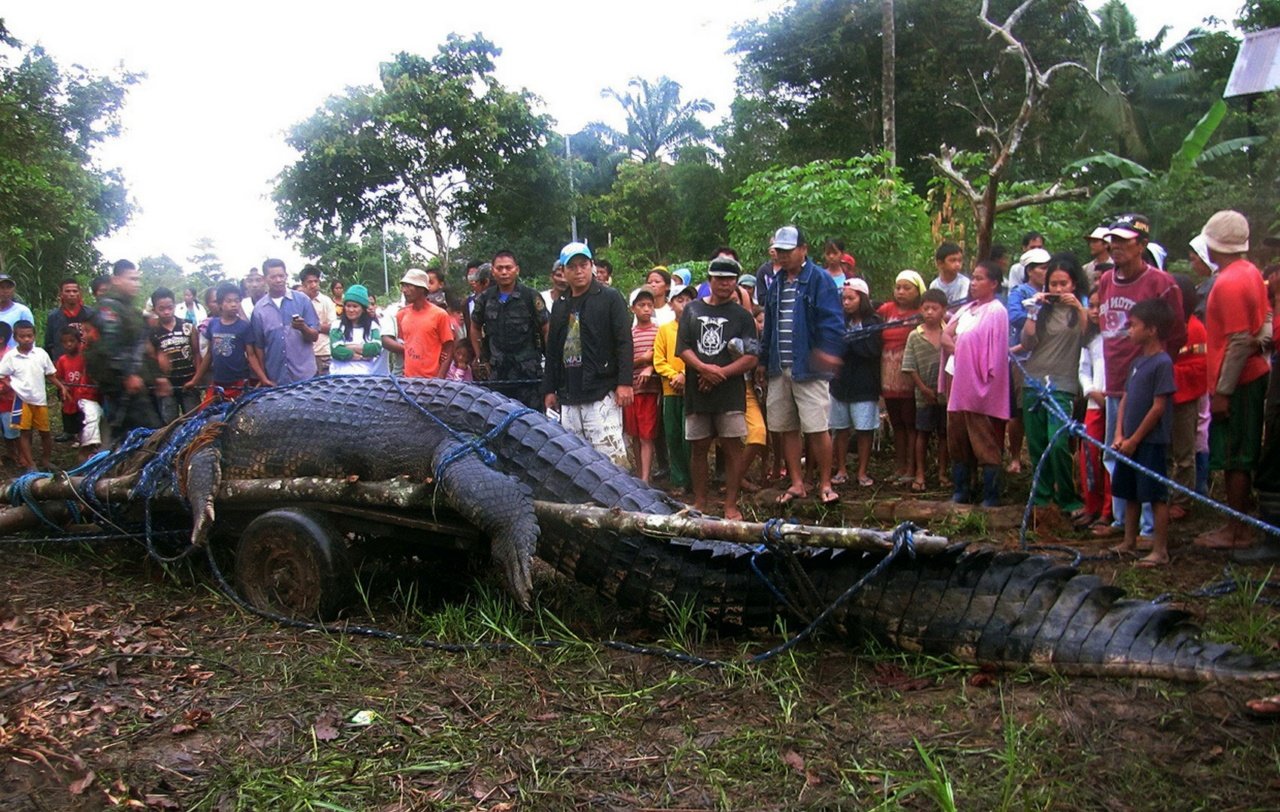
(403, 494)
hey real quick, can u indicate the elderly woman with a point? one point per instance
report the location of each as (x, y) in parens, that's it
(975, 344)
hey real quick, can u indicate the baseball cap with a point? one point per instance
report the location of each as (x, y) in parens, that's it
(724, 266)
(786, 238)
(4, 277)
(847, 259)
(416, 277)
(859, 284)
(1036, 256)
(1227, 231)
(642, 292)
(688, 290)
(747, 280)
(572, 250)
(683, 275)
(1130, 227)
(1099, 233)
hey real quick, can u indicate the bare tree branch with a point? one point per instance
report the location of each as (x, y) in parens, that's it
(1054, 192)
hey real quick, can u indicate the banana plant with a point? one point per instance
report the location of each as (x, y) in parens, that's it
(1135, 179)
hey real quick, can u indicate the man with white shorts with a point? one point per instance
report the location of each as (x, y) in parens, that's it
(801, 346)
(587, 376)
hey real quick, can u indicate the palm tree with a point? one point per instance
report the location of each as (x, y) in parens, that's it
(657, 120)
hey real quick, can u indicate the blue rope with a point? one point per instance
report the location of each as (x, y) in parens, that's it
(903, 541)
(1044, 394)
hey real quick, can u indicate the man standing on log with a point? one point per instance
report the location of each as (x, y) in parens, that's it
(589, 357)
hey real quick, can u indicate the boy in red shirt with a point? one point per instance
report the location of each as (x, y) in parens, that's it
(81, 412)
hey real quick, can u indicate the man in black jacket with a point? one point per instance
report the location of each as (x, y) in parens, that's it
(588, 369)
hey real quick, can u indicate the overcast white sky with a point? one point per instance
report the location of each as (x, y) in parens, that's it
(204, 131)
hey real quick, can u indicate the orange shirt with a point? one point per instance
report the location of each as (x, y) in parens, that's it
(424, 333)
(1237, 304)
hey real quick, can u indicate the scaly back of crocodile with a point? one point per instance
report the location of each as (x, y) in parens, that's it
(1009, 609)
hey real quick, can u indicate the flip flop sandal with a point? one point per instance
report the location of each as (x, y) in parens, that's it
(917, 487)
(839, 479)
(830, 497)
(866, 482)
(787, 497)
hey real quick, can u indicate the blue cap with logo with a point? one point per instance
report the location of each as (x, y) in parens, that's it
(572, 250)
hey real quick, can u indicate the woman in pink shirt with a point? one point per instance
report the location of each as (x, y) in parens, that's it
(975, 348)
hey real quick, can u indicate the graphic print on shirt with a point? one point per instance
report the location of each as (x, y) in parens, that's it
(573, 342)
(711, 335)
(224, 344)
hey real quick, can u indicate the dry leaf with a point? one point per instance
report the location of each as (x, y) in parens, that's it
(78, 787)
(794, 760)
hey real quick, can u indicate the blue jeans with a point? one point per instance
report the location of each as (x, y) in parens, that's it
(1148, 524)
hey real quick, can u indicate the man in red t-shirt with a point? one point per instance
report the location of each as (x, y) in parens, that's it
(423, 330)
(1131, 281)
(1237, 369)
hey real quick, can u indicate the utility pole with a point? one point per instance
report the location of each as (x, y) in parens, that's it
(386, 280)
(888, 54)
(573, 203)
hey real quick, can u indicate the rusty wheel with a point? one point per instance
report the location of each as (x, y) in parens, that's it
(294, 563)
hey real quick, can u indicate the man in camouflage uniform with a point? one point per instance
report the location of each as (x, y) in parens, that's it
(512, 321)
(121, 362)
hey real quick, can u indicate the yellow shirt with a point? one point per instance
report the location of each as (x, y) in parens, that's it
(665, 361)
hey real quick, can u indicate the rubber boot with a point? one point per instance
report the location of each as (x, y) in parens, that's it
(1202, 473)
(990, 485)
(960, 480)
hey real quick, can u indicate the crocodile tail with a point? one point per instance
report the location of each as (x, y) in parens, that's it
(1014, 610)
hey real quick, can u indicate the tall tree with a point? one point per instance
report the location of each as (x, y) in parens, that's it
(206, 261)
(57, 199)
(420, 151)
(810, 83)
(658, 121)
(1005, 137)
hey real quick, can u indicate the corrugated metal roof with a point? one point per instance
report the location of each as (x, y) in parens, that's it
(1257, 67)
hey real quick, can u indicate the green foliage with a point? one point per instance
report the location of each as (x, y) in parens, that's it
(658, 122)
(208, 264)
(360, 261)
(55, 199)
(861, 200)
(423, 150)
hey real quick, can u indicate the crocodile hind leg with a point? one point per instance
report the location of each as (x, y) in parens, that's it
(497, 504)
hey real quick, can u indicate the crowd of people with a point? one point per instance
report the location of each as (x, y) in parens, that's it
(786, 374)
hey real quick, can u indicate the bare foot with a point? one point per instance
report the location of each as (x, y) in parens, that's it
(1124, 550)
(732, 513)
(749, 486)
(1221, 538)
(1014, 467)
(1152, 561)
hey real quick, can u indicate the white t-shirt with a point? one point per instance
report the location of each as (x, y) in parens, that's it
(327, 312)
(26, 373)
(956, 290)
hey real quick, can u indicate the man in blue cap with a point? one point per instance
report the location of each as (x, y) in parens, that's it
(589, 356)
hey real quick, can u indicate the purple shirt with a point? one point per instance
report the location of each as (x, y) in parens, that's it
(286, 356)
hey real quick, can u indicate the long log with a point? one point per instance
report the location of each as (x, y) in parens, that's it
(403, 494)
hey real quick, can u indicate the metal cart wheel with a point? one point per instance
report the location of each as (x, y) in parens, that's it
(293, 562)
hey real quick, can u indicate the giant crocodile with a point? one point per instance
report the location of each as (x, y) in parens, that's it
(1008, 609)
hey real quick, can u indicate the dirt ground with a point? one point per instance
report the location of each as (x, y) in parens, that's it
(126, 685)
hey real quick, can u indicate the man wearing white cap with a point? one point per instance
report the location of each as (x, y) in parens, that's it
(423, 330)
(1100, 254)
(801, 346)
(587, 376)
(1234, 320)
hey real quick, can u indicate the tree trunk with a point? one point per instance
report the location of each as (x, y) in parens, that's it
(987, 217)
(888, 55)
(408, 495)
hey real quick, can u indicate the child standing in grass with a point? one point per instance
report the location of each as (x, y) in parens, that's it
(922, 360)
(27, 369)
(669, 366)
(1144, 428)
(855, 390)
